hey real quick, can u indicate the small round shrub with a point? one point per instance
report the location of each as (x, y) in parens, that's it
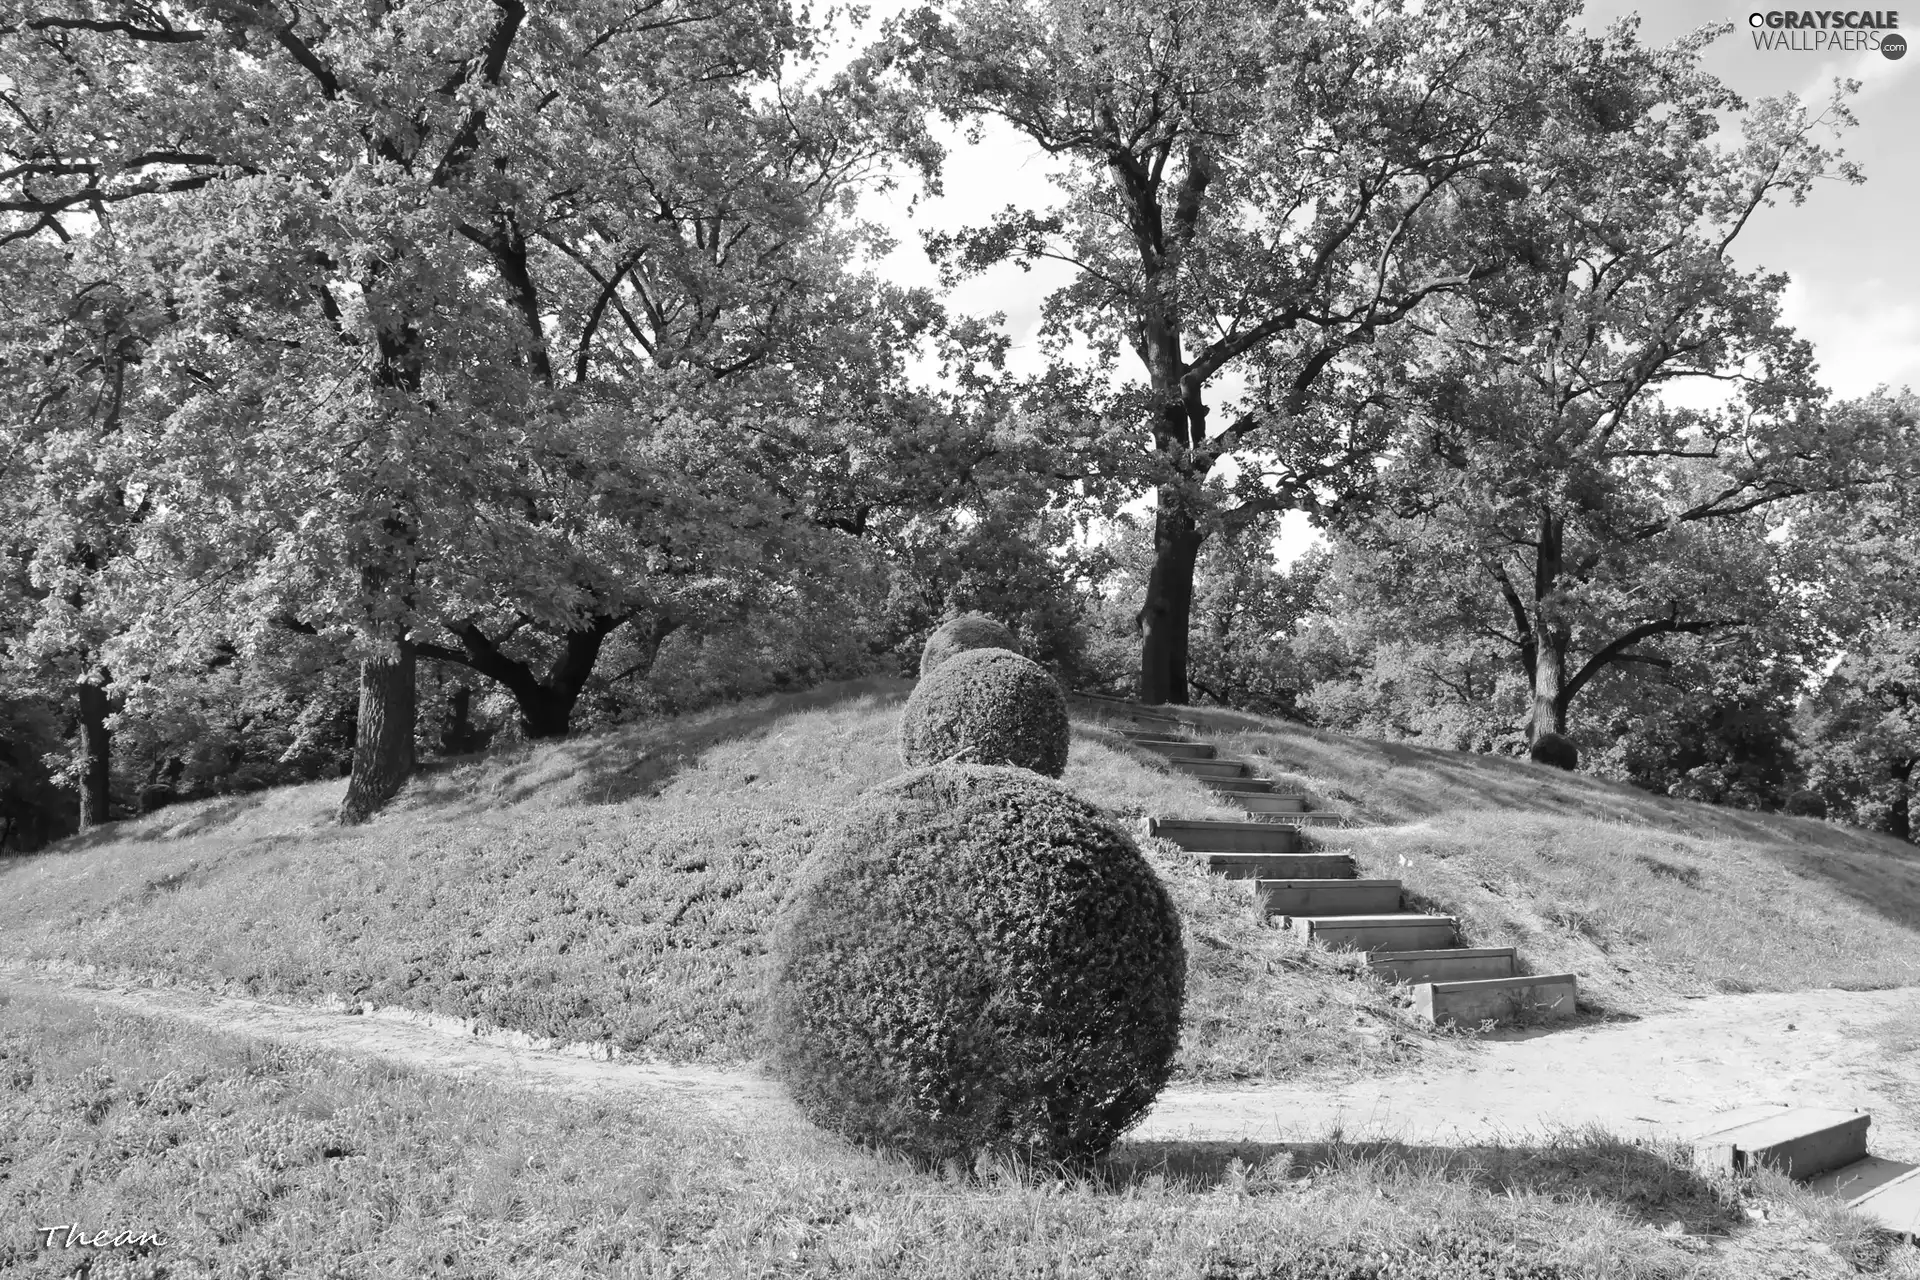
(976, 961)
(1806, 804)
(968, 631)
(1553, 749)
(987, 706)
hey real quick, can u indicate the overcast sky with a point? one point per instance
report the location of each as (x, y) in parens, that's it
(1852, 252)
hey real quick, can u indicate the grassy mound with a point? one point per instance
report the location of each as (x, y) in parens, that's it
(621, 889)
(617, 890)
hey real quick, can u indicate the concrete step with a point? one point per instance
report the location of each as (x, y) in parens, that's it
(1534, 996)
(1216, 768)
(1281, 866)
(1804, 1142)
(1396, 931)
(1208, 835)
(1893, 1205)
(1447, 964)
(1314, 818)
(1272, 803)
(1322, 898)
(1860, 1179)
(1174, 749)
(1234, 786)
(1126, 717)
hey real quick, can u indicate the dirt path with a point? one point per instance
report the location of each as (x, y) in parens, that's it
(1718, 1061)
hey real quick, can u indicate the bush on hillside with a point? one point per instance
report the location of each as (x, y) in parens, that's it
(1806, 804)
(976, 960)
(987, 706)
(968, 631)
(1553, 749)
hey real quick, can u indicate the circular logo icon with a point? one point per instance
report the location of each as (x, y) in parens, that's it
(1894, 46)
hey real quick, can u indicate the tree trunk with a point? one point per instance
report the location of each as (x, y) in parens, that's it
(546, 702)
(1550, 634)
(459, 737)
(383, 739)
(1900, 814)
(96, 745)
(1166, 618)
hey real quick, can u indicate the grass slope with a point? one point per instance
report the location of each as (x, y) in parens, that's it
(619, 890)
(252, 1159)
(1647, 898)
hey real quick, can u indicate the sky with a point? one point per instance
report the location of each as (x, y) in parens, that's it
(1852, 253)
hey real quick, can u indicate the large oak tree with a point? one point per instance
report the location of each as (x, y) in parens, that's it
(427, 274)
(1251, 193)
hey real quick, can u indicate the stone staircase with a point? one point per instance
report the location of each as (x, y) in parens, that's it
(1319, 895)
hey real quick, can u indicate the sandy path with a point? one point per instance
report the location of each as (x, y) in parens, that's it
(1718, 1061)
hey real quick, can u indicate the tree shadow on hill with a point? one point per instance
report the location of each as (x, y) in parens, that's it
(633, 761)
(1651, 1182)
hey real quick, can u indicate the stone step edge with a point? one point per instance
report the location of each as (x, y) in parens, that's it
(1828, 1138)
(1883, 1205)
(1443, 953)
(1436, 1002)
(1323, 882)
(1489, 984)
(1207, 824)
(1391, 920)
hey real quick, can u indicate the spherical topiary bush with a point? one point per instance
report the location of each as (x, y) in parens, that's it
(987, 706)
(976, 960)
(968, 631)
(1552, 749)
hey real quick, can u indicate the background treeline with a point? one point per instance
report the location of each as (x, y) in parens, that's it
(385, 382)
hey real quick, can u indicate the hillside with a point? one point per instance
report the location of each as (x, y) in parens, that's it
(617, 889)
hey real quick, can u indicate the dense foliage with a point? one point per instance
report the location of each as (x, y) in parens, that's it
(977, 961)
(375, 388)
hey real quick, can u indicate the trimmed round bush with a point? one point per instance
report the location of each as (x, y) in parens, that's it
(968, 631)
(976, 961)
(1553, 749)
(987, 706)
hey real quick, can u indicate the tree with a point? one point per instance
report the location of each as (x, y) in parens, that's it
(1248, 612)
(1251, 192)
(1598, 519)
(1859, 557)
(411, 264)
(72, 511)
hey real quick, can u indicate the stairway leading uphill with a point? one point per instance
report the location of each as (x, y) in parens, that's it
(1319, 895)
(1321, 898)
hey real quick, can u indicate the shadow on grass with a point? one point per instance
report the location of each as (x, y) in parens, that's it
(1651, 1182)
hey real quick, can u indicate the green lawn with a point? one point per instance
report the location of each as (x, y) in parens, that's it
(250, 1159)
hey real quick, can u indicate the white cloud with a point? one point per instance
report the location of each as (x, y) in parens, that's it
(1863, 332)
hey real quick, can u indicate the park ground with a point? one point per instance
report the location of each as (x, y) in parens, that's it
(612, 894)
